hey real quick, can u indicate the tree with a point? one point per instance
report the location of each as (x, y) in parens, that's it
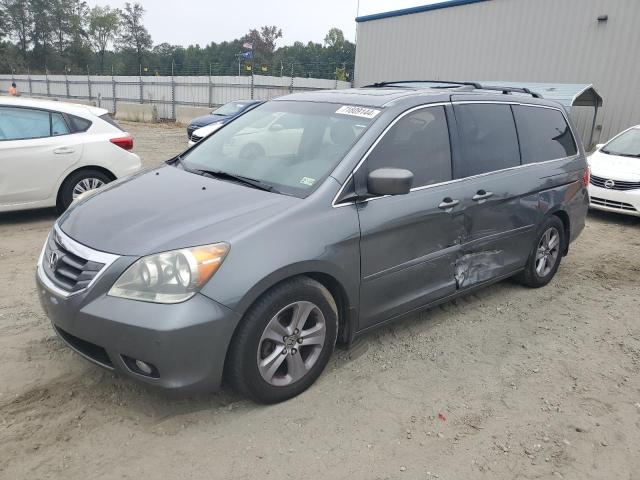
(104, 25)
(334, 39)
(61, 11)
(264, 42)
(19, 20)
(42, 32)
(134, 35)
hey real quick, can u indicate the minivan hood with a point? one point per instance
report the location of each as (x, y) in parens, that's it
(614, 166)
(168, 208)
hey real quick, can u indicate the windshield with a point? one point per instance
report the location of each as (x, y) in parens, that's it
(626, 144)
(290, 146)
(230, 108)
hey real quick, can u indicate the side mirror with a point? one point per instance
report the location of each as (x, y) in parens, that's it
(389, 181)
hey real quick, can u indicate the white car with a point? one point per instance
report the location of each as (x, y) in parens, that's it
(52, 152)
(202, 132)
(615, 174)
(276, 134)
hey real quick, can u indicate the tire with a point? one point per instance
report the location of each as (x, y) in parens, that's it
(77, 183)
(546, 253)
(268, 361)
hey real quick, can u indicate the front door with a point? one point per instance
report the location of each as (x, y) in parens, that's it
(409, 242)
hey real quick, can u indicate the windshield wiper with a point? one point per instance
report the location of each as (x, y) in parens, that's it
(250, 182)
(621, 154)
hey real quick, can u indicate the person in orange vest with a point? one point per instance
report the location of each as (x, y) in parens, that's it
(13, 90)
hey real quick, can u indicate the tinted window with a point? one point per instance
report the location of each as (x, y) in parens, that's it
(58, 125)
(79, 124)
(418, 142)
(488, 138)
(543, 133)
(22, 123)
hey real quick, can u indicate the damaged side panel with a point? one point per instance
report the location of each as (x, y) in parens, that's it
(478, 267)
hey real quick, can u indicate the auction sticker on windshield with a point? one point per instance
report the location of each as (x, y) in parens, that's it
(358, 111)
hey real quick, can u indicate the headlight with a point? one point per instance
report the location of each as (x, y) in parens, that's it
(170, 277)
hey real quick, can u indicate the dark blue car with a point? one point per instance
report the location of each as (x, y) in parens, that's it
(222, 114)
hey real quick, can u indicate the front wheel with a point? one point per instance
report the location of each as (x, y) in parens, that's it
(544, 259)
(78, 183)
(284, 342)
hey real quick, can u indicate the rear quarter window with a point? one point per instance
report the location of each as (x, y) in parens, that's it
(78, 124)
(488, 139)
(544, 134)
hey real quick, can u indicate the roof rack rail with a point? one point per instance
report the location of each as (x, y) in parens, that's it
(509, 90)
(456, 84)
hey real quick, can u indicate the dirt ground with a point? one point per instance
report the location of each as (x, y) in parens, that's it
(510, 383)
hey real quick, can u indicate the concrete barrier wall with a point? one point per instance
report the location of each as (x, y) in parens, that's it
(184, 114)
(136, 112)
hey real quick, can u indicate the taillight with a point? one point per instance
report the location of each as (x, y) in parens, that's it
(123, 142)
(586, 176)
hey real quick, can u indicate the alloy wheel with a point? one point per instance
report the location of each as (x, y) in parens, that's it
(291, 343)
(547, 252)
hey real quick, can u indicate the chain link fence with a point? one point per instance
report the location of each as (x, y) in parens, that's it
(167, 92)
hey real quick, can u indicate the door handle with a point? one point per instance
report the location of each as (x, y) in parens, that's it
(63, 150)
(448, 203)
(481, 195)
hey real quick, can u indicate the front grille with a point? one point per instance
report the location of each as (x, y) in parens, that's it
(67, 270)
(616, 185)
(190, 131)
(195, 138)
(603, 202)
(88, 349)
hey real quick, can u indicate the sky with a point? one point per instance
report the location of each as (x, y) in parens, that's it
(204, 21)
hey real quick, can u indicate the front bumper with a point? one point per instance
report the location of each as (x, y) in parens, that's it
(186, 342)
(620, 201)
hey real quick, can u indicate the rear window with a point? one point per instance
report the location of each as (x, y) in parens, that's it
(110, 120)
(79, 124)
(488, 137)
(544, 134)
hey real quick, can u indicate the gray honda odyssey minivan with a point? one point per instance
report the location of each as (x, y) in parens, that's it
(312, 219)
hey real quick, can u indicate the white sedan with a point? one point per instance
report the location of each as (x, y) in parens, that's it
(615, 174)
(52, 152)
(274, 134)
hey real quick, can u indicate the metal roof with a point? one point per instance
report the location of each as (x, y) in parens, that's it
(567, 94)
(422, 8)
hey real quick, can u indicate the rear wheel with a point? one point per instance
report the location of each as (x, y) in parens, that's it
(284, 342)
(78, 183)
(544, 259)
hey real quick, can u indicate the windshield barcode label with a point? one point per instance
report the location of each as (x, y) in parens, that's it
(358, 111)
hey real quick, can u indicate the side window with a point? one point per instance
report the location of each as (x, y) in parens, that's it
(544, 134)
(79, 124)
(58, 125)
(418, 142)
(488, 138)
(23, 123)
